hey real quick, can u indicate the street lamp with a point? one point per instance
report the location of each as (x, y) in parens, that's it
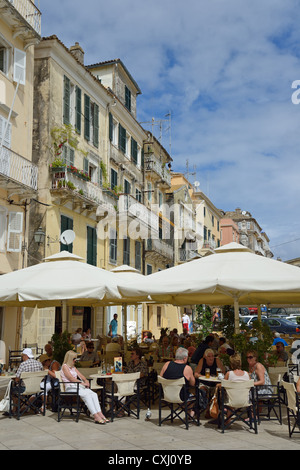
(39, 236)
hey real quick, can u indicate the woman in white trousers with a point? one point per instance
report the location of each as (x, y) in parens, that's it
(71, 376)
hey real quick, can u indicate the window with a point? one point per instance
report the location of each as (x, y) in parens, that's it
(68, 155)
(113, 178)
(127, 98)
(138, 195)
(148, 269)
(149, 188)
(126, 251)
(3, 126)
(138, 256)
(91, 257)
(113, 130)
(3, 228)
(66, 224)
(113, 246)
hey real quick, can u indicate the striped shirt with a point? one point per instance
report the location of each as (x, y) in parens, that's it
(31, 365)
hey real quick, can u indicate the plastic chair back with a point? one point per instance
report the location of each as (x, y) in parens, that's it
(291, 396)
(32, 381)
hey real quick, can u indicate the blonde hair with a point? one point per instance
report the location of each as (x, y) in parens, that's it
(69, 358)
(208, 351)
(235, 361)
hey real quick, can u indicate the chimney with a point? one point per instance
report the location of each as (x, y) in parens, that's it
(77, 52)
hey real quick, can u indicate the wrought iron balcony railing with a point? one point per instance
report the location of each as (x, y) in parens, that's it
(18, 168)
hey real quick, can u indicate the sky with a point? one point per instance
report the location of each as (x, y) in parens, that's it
(219, 77)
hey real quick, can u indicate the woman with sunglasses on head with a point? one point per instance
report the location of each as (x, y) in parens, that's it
(258, 373)
(71, 376)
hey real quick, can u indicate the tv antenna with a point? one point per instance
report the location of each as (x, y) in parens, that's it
(159, 123)
(189, 173)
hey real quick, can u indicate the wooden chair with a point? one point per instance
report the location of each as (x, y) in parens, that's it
(235, 395)
(170, 395)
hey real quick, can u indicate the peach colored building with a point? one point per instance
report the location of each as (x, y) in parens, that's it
(229, 231)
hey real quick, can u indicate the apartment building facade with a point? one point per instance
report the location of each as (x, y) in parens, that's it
(250, 232)
(20, 28)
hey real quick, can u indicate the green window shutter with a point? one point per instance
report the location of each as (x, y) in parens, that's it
(127, 98)
(87, 111)
(78, 110)
(127, 187)
(66, 224)
(122, 139)
(126, 251)
(86, 165)
(134, 151)
(66, 100)
(113, 178)
(91, 257)
(110, 127)
(138, 257)
(96, 126)
(142, 159)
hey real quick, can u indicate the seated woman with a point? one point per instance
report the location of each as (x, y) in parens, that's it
(71, 376)
(90, 354)
(50, 366)
(209, 361)
(164, 349)
(258, 373)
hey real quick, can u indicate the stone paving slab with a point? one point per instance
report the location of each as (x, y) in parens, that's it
(37, 432)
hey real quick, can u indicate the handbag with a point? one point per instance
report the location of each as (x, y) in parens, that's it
(4, 403)
(214, 407)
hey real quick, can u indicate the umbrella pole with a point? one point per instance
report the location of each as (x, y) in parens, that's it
(124, 315)
(236, 317)
(64, 319)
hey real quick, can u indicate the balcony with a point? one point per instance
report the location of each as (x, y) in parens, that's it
(16, 11)
(130, 208)
(15, 169)
(159, 248)
(187, 255)
(67, 186)
(154, 165)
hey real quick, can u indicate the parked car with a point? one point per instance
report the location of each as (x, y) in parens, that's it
(281, 325)
(293, 318)
(277, 311)
(248, 319)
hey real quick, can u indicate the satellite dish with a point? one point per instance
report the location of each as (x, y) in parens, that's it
(67, 237)
(244, 212)
(196, 184)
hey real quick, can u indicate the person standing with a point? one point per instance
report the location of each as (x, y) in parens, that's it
(185, 322)
(113, 326)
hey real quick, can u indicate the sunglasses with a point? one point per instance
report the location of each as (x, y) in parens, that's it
(250, 357)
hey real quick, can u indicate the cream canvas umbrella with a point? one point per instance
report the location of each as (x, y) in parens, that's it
(62, 276)
(234, 275)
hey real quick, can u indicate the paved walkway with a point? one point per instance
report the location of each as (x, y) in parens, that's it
(37, 432)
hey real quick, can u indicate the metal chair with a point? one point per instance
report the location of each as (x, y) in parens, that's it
(126, 395)
(239, 398)
(69, 400)
(293, 408)
(268, 403)
(170, 395)
(27, 395)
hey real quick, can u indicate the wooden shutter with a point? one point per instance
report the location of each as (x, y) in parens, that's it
(87, 111)
(127, 187)
(91, 246)
(122, 139)
(66, 102)
(78, 110)
(19, 66)
(15, 228)
(96, 126)
(66, 224)
(134, 151)
(111, 127)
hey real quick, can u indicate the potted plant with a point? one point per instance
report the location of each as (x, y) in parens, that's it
(61, 344)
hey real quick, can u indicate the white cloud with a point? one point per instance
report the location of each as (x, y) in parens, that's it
(224, 69)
